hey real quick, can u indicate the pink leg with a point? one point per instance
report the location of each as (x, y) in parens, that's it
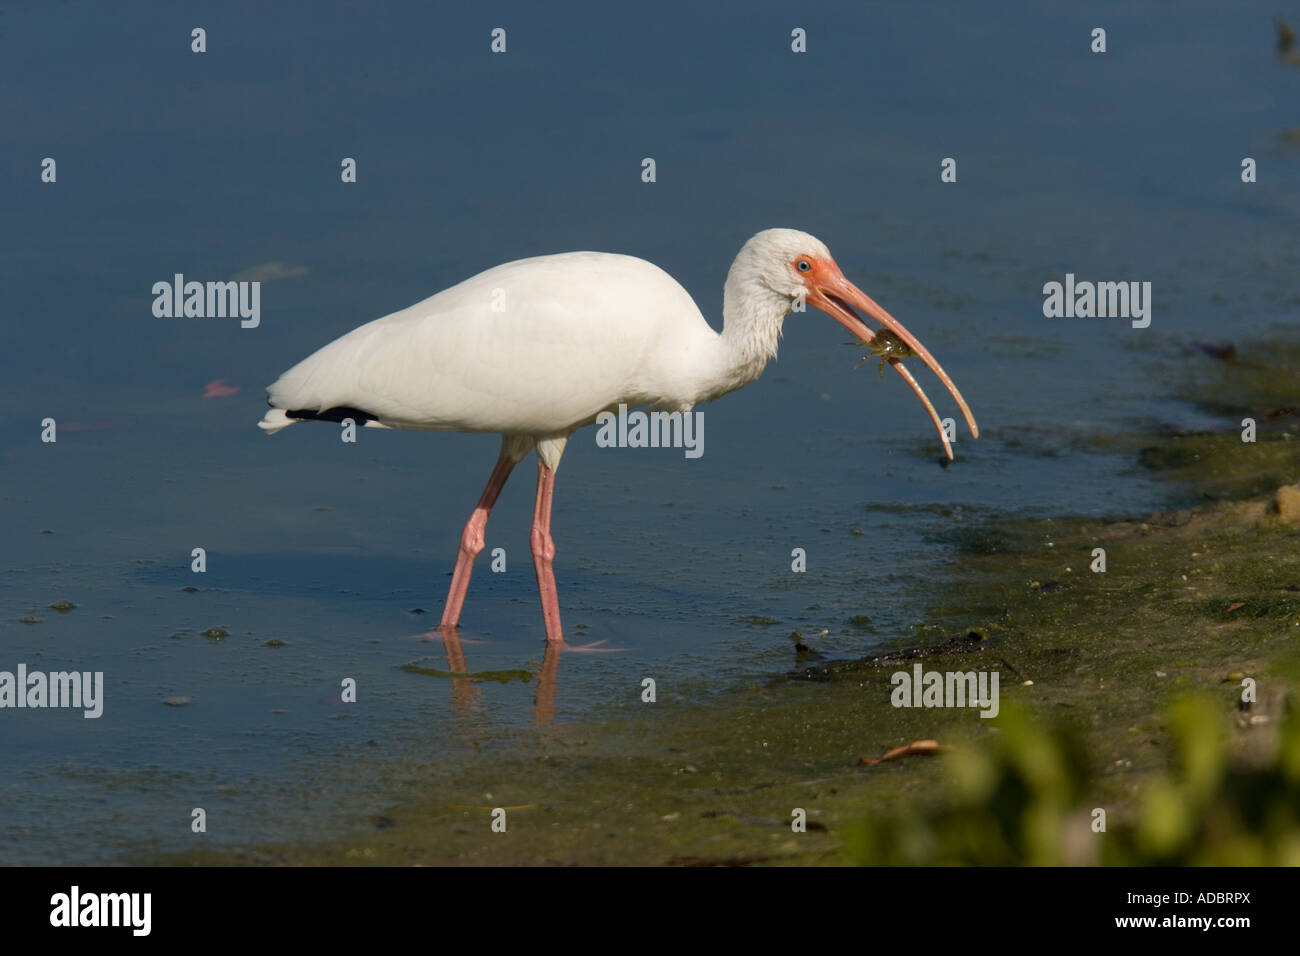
(547, 679)
(544, 553)
(471, 540)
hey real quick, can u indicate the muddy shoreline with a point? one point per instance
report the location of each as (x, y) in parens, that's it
(1190, 601)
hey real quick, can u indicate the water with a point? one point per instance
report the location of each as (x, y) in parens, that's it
(1120, 166)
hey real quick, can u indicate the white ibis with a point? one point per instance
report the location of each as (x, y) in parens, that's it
(536, 349)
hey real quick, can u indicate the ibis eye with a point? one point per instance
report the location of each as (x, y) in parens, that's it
(804, 265)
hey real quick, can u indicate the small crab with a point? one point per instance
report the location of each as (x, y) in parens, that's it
(887, 345)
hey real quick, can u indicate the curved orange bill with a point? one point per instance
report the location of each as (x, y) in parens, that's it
(838, 297)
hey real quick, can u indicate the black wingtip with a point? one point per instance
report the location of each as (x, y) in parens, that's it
(336, 414)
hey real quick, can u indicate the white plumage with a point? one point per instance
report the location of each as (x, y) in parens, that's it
(575, 333)
(535, 349)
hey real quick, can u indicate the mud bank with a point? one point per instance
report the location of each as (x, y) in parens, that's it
(1191, 600)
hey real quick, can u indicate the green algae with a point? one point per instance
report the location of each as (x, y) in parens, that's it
(1257, 391)
(500, 677)
(1192, 600)
(1222, 466)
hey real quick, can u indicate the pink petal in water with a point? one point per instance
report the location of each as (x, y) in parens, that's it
(219, 388)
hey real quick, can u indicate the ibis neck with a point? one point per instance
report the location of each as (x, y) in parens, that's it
(751, 330)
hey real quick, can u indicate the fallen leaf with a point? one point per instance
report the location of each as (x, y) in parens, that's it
(1235, 605)
(917, 748)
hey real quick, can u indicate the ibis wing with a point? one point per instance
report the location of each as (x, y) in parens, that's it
(534, 346)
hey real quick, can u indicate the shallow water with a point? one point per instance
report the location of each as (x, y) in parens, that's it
(1117, 167)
